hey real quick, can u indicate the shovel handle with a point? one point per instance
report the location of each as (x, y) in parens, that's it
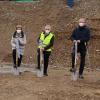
(75, 53)
(41, 57)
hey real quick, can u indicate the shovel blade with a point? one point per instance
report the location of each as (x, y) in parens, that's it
(74, 75)
(40, 72)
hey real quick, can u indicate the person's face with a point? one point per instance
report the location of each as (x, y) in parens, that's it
(47, 30)
(82, 22)
(18, 30)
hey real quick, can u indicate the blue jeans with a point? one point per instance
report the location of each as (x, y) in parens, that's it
(70, 3)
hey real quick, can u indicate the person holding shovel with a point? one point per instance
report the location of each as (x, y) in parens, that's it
(45, 43)
(81, 36)
(18, 42)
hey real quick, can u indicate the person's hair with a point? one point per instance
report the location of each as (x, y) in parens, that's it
(82, 19)
(22, 34)
(19, 26)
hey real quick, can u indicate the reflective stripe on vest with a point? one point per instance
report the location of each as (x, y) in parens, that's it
(46, 40)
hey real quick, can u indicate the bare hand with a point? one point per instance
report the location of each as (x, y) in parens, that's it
(42, 49)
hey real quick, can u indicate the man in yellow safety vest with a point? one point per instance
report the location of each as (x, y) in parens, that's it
(45, 43)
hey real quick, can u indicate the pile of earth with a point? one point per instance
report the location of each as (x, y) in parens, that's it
(34, 17)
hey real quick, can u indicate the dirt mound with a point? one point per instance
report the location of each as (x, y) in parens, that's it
(34, 16)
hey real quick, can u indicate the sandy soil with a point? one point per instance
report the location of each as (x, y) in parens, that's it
(57, 86)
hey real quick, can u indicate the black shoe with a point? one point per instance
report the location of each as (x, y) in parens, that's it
(45, 74)
(15, 66)
(81, 77)
(72, 70)
(38, 68)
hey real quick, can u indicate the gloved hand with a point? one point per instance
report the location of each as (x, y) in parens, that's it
(78, 41)
(74, 41)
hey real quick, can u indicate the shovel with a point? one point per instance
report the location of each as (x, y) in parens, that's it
(17, 48)
(40, 71)
(75, 72)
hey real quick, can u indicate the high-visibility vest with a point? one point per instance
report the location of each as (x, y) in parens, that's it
(46, 40)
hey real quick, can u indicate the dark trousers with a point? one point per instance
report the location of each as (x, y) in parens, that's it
(18, 62)
(82, 51)
(46, 56)
(70, 3)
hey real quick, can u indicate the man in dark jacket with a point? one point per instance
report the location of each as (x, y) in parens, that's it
(81, 35)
